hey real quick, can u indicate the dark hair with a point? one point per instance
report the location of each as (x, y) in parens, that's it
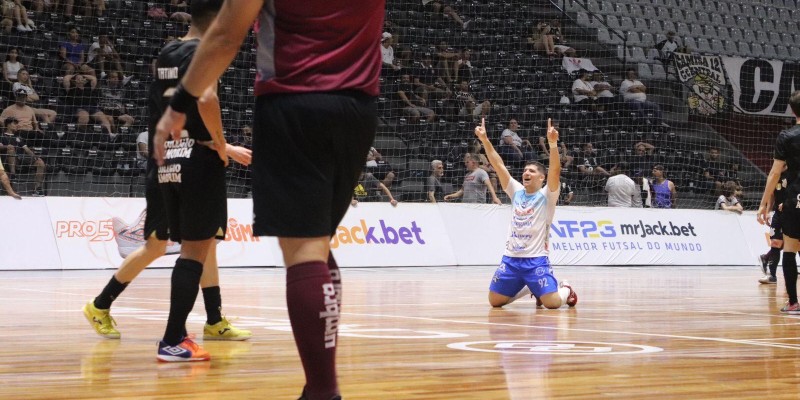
(204, 11)
(542, 169)
(8, 53)
(10, 120)
(728, 188)
(794, 102)
(622, 167)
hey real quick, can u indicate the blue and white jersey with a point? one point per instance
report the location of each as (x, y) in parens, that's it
(531, 216)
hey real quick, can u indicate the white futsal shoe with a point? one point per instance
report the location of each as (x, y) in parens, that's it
(131, 237)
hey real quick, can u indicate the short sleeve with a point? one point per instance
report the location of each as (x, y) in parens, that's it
(513, 187)
(780, 147)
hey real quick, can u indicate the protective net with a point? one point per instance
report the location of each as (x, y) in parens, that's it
(699, 88)
(705, 103)
(84, 70)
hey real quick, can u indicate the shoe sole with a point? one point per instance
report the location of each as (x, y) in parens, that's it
(88, 317)
(227, 339)
(169, 359)
(767, 282)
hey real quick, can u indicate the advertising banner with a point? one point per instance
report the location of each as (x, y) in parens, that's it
(26, 240)
(377, 234)
(96, 233)
(762, 86)
(706, 78)
(100, 232)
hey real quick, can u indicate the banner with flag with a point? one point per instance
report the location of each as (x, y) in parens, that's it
(705, 77)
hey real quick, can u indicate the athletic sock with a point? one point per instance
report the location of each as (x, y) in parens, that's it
(183, 293)
(336, 279)
(790, 275)
(314, 315)
(774, 257)
(110, 293)
(213, 302)
(563, 292)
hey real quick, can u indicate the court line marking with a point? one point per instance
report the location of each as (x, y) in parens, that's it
(661, 335)
(440, 320)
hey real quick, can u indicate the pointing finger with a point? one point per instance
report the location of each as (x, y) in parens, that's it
(549, 124)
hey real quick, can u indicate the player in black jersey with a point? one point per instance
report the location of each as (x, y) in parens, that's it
(97, 311)
(769, 261)
(787, 153)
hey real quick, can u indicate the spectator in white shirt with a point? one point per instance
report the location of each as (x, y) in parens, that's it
(582, 91)
(622, 191)
(605, 96)
(634, 92)
(727, 200)
(387, 54)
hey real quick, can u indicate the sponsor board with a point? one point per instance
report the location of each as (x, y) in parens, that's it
(100, 232)
(72, 233)
(377, 234)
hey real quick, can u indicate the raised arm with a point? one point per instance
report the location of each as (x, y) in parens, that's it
(491, 154)
(554, 169)
(766, 199)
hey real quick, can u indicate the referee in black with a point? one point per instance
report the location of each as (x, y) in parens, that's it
(787, 153)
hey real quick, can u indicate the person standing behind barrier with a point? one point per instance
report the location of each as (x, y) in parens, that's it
(315, 119)
(622, 191)
(476, 183)
(434, 185)
(525, 268)
(787, 153)
(769, 261)
(663, 189)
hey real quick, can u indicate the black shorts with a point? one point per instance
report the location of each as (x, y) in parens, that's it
(155, 220)
(790, 220)
(308, 151)
(192, 181)
(776, 226)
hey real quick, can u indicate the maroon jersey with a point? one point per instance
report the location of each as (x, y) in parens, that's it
(319, 46)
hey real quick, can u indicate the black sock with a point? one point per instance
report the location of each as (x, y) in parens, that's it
(790, 275)
(183, 293)
(110, 293)
(774, 257)
(213, 301)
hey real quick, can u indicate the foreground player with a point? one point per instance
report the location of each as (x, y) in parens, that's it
(217, 327)
(787, 153)
(315, 119)
(769, 261)
(525, 267)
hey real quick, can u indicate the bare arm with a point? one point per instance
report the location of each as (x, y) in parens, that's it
(455, 195)
(220, 44)
(554, 171)
(674, 194)
(495, 160)
(431, 196)
(388, 194)
(209, 109)
(495, 199)
(766, 199)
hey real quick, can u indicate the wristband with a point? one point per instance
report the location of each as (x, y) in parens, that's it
(553, 145)
(182, 100)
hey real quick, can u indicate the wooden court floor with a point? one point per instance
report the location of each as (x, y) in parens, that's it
(419, 333)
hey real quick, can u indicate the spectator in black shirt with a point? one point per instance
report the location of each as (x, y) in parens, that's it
(427, 80)
(413, 104)
(83, 99)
